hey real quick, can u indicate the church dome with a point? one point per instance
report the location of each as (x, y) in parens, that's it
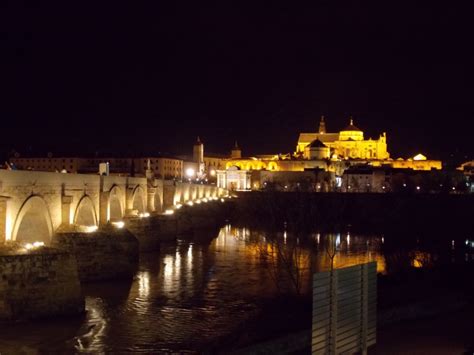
(316, 150)
(351, 127)
(351, 133)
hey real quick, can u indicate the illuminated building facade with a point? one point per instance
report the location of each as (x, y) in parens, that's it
(347, 144)
(330, 152)
(163, 167)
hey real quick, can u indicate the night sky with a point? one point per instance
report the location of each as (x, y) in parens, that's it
(142, 80)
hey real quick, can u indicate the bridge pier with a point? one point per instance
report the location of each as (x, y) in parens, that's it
(66, 210)
(36, 284)
(152, 231)
(3, 218)
(151, 192)
(107, 254)
(104, 214)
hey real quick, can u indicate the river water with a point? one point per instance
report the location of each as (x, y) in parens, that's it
(198, 295)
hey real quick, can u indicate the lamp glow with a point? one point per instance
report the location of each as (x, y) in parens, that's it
(119, 224)
(190, 172)
(90, 229)
(34, 245)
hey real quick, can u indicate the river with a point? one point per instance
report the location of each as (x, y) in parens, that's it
(199, 295)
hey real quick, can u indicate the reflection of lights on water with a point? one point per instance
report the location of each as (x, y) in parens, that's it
(92, 340)
(144, 215)
(348, 239)
(177, 265)
(284, 236)
(318, 237)
(338, 240)
(144, 284)
(169, 212)
(172, 269)
(189, 259)
(383, 240)
(119, 224)
(168, 267)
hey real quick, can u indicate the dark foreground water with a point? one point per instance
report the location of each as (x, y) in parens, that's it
(196, 296)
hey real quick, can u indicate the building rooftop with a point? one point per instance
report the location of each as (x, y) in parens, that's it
(317, 144)
(351, 127)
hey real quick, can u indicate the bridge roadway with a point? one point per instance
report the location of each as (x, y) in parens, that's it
(34, 205)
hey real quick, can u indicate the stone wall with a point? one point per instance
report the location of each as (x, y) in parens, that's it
(157, 229)
(38, 284)
(153, 230)
(110, 253)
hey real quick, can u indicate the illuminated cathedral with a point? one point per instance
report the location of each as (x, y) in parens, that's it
(322, 151)
(347, 144)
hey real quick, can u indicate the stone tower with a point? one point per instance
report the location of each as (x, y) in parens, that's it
(198, 152)
(198, 157)
(236, 152)
(322, 126)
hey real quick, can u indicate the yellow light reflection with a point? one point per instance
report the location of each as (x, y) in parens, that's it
(144, 284)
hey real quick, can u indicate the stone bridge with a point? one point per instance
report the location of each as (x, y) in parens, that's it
(34, 205)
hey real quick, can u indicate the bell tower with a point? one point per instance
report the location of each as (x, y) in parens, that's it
(198, 156)
(236, 152)
(322, 126)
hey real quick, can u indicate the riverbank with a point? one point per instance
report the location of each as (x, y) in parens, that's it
(420, 312)
(361, 212)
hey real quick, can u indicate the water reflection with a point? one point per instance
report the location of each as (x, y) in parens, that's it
(193, 294)
(92, 337)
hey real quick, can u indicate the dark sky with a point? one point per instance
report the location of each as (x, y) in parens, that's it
(145, 79)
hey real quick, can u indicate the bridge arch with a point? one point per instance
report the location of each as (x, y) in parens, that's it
(33, 222)
(138, 199)
(85, 214)
(115, 207)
